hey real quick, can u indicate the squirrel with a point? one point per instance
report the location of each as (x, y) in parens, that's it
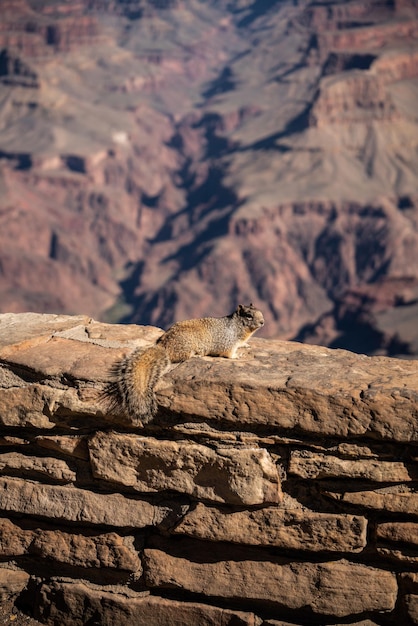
(135, 376)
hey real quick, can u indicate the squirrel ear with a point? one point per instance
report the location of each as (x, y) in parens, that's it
(239, 308)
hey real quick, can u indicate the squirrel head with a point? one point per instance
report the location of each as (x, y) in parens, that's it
(251, 317)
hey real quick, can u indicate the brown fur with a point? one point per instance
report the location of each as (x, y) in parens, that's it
(135, 376)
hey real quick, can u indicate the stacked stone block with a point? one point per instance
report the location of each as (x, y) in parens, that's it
(277, 489)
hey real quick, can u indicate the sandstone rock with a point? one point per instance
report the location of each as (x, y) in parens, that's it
(337, 588)
(404, 532)
(402, 500)
(338, 428)
(401, 556)
(411, 601)
(78, 505)
(102, 551)
(289, 529)
(25, 333)
(409, 581)
(26, 326)
(73, 604)
(305, 389)
(231, 475)
(55, 357)
(43, 406)
(283, 386)
(355, 451)
(398, 541)
(315, 465)
(28, 406)
(9, 440)
(52, 369)
(72, 446)
(32, 466)
(12, 583)
(13, 541)
(105, 550)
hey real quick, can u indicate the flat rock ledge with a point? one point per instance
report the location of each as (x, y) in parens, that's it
(277, 489)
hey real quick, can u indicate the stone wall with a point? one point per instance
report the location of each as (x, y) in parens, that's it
(280, 488)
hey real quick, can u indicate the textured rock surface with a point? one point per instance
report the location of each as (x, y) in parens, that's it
(54, 469)
(277, 489)
(226, 475)
(297, 390)
(63, 603)
(98, 550)
(313, 465)
(284, 527)
(406, 532)
(337, 588)
(77, 505)
(399, 500)
(12, 583)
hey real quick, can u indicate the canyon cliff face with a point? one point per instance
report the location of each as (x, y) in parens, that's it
(279, 488)
(165, 160)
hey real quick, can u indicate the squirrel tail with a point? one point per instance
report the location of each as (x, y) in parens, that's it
(134, 378)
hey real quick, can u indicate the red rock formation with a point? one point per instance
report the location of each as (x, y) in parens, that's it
(363, 95)
(165, 160)
(55, 27)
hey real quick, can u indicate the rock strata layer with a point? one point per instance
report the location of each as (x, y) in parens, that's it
(279, 488)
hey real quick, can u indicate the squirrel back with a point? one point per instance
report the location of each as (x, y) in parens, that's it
(135, 376)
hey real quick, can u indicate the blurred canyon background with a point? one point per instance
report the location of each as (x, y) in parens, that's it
(167, 159)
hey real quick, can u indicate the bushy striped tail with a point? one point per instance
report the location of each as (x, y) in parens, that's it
(131, 389)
